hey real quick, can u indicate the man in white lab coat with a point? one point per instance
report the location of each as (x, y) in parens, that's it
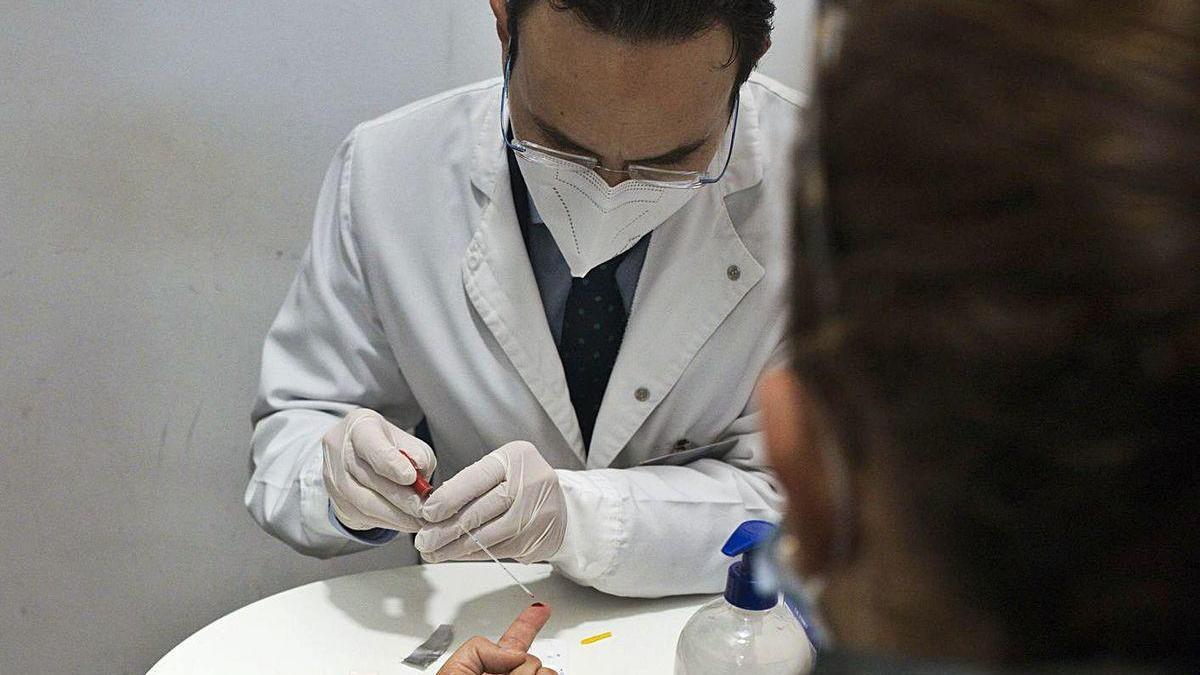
(555, 278)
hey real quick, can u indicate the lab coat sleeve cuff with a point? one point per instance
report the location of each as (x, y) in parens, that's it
(314, 502)
(376, 536)
(596, 527)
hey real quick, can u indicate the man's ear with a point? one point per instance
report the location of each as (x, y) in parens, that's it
(792, 435)
(500, 9)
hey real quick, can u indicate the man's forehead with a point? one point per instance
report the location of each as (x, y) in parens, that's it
(656, 92)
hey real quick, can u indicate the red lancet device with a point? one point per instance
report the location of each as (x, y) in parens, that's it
(421, 486)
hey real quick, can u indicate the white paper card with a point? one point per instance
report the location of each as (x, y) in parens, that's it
(553, 654)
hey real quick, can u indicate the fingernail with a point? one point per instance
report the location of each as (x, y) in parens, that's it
(538, 604)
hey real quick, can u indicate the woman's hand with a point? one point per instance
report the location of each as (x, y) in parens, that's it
(510, 656)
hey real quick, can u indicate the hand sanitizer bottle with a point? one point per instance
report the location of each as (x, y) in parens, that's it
(747, 631)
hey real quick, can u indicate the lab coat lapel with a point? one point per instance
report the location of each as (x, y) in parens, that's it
(499, 281)
(696, 271)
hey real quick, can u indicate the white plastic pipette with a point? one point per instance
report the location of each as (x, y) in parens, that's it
(497, 561)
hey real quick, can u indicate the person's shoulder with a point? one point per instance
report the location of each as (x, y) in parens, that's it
(771, 94)
(777, 119)
(778, 116)
(440, 115)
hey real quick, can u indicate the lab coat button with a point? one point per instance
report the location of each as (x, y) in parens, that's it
(734, 273)
(642, 394)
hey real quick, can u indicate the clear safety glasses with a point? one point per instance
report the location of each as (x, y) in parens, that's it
(532, 152)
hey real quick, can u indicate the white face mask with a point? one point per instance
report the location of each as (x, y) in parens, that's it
(592, 222)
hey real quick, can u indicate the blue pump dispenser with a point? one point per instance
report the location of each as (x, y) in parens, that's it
(741, 589)
(748, 631)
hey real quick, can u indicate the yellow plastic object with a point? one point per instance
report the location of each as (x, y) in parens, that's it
(596, 638)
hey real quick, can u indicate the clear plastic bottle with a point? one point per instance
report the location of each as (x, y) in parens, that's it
(744, 632)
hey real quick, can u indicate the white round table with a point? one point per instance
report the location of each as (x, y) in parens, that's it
(367, 623)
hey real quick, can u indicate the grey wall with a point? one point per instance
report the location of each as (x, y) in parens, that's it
(159, 162)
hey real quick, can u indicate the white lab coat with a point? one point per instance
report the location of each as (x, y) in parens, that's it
(416, 299)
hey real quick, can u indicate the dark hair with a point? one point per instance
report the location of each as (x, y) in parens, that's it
(749, 21)
(1012, 217)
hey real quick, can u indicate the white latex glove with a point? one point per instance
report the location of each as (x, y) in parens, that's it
(368, 479)
(510, 500)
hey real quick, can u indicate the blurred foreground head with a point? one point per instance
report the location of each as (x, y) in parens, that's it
(990, 430)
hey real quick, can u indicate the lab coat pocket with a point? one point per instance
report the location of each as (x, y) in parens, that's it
(682, 457)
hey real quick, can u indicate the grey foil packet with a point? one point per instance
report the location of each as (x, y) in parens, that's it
(431, 649)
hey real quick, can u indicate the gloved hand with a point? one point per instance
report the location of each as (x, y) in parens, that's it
(510, 500)
(367, 477)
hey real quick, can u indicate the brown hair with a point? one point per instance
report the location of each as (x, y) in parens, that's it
(1013, 241)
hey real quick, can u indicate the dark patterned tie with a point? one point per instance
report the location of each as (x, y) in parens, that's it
(593, 323)
(592, 329)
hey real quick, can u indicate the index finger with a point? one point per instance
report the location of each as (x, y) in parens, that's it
(466, 485)
(525, 628)
(373, 444)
